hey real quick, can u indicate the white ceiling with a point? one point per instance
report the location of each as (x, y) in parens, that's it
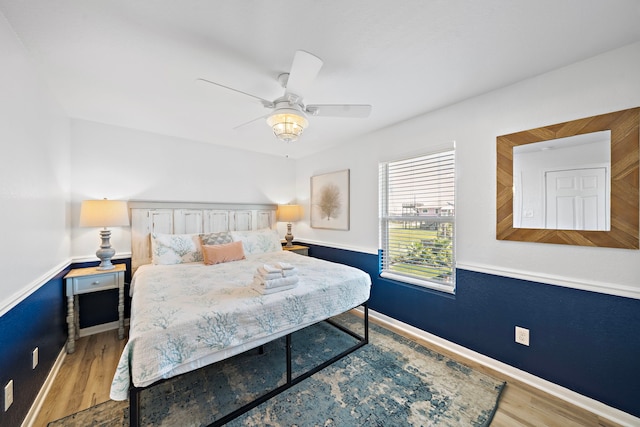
(134, 63)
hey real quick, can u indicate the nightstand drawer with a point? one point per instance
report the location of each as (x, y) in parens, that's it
(94, 283)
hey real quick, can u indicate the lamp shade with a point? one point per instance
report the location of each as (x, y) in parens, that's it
(289, 213)
(103, 213)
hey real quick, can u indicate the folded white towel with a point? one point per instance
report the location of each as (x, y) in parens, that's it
(262, 272)
(271, 268)
(257, 278)
(275, 283)
(289, 273)
(283, 265)
(266, 291)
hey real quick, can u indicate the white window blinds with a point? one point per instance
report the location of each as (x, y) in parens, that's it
(417, 213)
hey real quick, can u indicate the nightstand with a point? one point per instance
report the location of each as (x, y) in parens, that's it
(299, 249)
(86, 280)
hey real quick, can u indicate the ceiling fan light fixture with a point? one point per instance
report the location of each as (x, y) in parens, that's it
(287, 124)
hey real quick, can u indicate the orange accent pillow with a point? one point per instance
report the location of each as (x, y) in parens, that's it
(216, 254)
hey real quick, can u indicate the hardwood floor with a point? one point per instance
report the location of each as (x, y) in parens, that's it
(85, 377)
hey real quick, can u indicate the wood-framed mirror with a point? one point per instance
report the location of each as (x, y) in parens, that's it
(624, 182)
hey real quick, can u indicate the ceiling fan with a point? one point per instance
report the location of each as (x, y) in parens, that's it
(289, 114)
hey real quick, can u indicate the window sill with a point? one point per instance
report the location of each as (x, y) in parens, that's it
(449, 289)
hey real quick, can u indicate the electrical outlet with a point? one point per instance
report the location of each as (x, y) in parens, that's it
(522, 336)
(8, 395)
(34, 358)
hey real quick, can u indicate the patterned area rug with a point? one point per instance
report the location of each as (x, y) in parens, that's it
(390, 382)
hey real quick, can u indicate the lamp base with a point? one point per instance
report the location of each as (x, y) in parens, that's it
(289, 237)
(106, 252)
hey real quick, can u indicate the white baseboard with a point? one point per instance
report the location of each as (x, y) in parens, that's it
(30, 419)
(104, 327)
(560, 392)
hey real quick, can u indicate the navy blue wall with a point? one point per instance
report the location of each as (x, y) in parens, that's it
(584, 341)
(40, 321)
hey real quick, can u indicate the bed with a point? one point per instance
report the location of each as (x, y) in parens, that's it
(186, 314)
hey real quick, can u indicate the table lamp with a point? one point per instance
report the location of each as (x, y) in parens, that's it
(104, 213)
(289, 214)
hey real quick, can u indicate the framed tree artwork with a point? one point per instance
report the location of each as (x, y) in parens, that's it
(330, 200)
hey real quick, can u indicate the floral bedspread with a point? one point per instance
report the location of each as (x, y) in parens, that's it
(186, 316)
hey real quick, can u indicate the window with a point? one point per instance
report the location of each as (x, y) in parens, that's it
(417, 220)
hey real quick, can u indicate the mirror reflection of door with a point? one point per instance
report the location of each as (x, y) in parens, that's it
(573, 207)
(576, 199)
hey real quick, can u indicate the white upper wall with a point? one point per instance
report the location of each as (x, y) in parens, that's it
(602, 84)
(34, 177)
(49, 169)
(125, 164)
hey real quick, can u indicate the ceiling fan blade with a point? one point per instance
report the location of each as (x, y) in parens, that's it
(303, 72)
(264, 102)
(338, 110)
(251, 121)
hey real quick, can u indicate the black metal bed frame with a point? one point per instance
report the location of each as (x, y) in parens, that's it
(134, 392)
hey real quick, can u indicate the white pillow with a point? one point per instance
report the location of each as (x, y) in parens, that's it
(175, 248)
(258, 241)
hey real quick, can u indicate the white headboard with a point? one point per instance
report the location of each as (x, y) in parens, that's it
(191, 218)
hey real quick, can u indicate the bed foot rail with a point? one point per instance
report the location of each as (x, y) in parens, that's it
(362, 340)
